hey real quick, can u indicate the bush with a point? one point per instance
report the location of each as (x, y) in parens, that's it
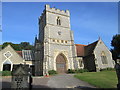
(111, 69)
(71, 71)
(107, 69)
(77, 70)
(81, 70)
(85, 70)
(5, 73)
(52, 72)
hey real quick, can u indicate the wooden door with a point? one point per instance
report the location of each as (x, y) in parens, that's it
(61, 64)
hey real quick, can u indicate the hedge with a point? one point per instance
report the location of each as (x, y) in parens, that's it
(108, 69)
(77, 71)
(5, 73)
(52, 72)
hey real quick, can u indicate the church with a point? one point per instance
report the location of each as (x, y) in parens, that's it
(54, 48)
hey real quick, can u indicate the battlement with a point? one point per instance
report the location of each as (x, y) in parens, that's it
(58, 11)
(42, 15)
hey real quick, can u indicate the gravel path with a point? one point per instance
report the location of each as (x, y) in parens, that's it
(57, 81)
(6, 82)
(40, 82)
(67, 81)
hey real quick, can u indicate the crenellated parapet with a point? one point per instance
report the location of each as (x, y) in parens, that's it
(58, 11)
(42, 15)
(54, 10)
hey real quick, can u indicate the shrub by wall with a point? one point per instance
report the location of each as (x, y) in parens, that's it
(77, 71)
(52, 72)
(107, 69)
(81, 70)
(71, 71)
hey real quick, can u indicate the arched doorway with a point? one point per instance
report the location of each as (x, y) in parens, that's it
(7, 66)
(61, 64)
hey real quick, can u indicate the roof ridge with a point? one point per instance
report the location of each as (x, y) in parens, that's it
(93, 43)
(80, 45)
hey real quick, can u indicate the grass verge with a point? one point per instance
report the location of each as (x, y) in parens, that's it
(103, 79)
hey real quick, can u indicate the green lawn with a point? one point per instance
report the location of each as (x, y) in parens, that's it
(103, 79)
(5, 73)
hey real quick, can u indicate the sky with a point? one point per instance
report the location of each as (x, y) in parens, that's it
(89, 20)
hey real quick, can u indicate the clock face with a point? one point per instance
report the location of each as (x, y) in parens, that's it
(59, 32)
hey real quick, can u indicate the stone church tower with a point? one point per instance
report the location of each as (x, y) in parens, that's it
(54, 48)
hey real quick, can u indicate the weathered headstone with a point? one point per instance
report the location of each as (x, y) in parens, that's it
(30, 81)
(117, 67)
(20, 77)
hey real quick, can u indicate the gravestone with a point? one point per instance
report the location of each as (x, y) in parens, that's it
(20, 77)
(117, 67)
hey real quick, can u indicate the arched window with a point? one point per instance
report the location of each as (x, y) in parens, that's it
(58, 21)
(104, 58)
(81, 63)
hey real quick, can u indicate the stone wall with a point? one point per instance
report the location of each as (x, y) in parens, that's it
(79, 64)
(89, 63)
(13, 57)
(56, 39)
(97, 52)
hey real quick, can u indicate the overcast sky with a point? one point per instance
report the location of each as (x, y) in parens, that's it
(89, 21)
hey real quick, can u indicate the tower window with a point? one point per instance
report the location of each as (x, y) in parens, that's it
(58, 21)
(61, 41)
(53, 40)
(57, 40)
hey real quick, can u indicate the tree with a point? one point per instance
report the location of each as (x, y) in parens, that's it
(15, 46)
(19, 47)
(6, 43)
(115, 43)
(26, 46)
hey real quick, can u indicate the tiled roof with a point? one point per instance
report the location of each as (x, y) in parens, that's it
(80, 49)
(19, 52)
(90, 48)
(28, 54)
(85, 50)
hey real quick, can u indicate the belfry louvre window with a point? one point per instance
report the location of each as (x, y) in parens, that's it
(53, 40)
(58, 21)
(57, 40)
(104, 58)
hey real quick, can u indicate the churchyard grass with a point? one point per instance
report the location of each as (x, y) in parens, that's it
(103, 79)
(5, 73)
